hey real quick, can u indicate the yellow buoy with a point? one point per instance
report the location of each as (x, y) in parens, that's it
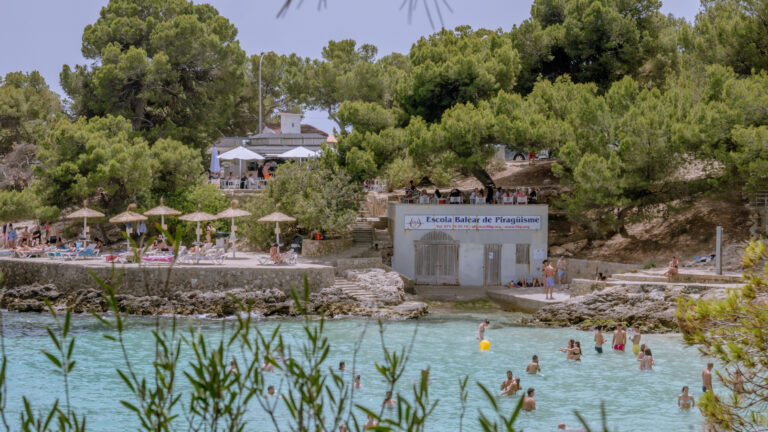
(485, 345)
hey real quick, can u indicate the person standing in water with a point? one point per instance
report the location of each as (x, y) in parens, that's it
(599, 340)
(619, 339)
(636, 340)
(507, 382)
(529, 403)
(549, 280)
(481, 330)
(706, 378)
(533, 366)
(647, 363)
(684, 400)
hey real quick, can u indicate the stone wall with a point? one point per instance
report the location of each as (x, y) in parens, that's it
(579, 287)
(587, 269)
(317, 248)
(151, 280)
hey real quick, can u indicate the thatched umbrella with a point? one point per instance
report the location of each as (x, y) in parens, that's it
(277, 217)
(85, 213)
(232, 213)
(162, 211)
(198, 216)
(127, 217)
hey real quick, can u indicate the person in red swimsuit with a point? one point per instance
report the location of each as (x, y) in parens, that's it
(619, 338)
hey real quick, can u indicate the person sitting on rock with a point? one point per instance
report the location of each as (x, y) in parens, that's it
(674, 266)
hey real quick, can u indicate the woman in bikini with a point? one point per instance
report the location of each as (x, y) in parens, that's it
(576, 352)
(684, 400)
(646, 364)
(642, 352)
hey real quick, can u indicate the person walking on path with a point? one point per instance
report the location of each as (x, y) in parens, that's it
(549, 280)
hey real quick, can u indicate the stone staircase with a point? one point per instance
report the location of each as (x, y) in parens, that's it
(354, 290)
(362, 233)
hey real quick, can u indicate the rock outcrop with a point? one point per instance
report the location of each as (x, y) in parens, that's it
(649, 306)
(386, 286)
(331, 302)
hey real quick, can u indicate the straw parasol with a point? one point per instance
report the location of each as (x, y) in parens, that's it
(231, 213)
(198, 216)
(277, 217)
(127, 217)
(85, 213)
(162, 211)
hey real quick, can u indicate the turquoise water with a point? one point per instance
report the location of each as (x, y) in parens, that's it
(635, 401)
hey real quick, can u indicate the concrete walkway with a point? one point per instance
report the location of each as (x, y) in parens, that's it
(525, 299)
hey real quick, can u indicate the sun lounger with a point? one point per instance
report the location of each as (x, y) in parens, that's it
(90, 252)
(29, 253)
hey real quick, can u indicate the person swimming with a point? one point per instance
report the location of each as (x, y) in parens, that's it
(512, 388)
(271, 391)
(684, 400)
(267, 366)
(357, 382)
(342, 367)
(388, 401)
(533, 366)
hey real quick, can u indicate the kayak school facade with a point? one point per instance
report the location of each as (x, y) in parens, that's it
(468, 244)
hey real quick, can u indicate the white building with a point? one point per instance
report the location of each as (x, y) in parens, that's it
(467, 244)
(276, 139)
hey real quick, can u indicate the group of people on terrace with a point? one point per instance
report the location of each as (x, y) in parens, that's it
(488, 195)
(247, 180)
(13, 237)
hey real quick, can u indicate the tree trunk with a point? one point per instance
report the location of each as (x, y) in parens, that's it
(481, 175)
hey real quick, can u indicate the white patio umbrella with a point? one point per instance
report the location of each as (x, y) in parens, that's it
(299, 153)
(85, 213)
(198, 216)
(162, 211)
(277, 217)
(232, 213)
(127, 217)
(241, 154)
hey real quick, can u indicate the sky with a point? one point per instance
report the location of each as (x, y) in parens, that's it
(43, 35)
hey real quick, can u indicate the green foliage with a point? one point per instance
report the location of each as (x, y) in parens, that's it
(210, 200)
(346, 72)
(27, 107)
(99, 156)
(457, 67)
(732, 330)
(174, 68)
(731, 33)
(26, 204)
(175, 166)
(320, 198)
(365, 117)
(597, 41)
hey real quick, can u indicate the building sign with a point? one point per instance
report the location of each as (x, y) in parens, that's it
(448, 222)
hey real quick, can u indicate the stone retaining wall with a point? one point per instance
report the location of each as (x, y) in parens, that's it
(317, 248)
(73, 276)
(579, 287)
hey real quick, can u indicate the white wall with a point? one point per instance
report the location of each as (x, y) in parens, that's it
(472, 242)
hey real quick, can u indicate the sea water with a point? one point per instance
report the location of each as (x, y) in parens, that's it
(446, 344)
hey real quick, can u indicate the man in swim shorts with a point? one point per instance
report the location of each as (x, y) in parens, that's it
(549, 280)
(636, 340)
(562, 267)
(619, 338)
(599, 340)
